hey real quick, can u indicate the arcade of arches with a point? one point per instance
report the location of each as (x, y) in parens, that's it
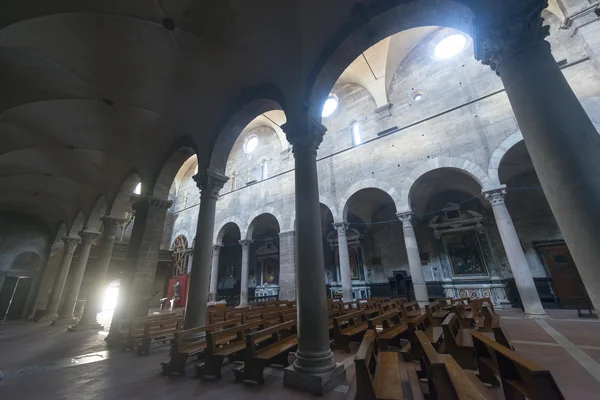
(422, 149)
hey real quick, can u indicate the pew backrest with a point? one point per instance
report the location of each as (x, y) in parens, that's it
(347, 321)
(229, 337)
(386, 320)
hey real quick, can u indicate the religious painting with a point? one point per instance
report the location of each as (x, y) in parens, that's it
(353, 263)
(464, 253)
(270, 267)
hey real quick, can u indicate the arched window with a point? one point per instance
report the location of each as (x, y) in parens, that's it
(232, 181)
(138, 189)
(180, 255)
(263, 170)
(355, 128)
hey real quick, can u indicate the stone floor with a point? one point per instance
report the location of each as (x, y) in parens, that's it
(42, 362)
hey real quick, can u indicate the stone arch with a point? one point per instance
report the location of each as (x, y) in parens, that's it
(323, 200)
(253, 102)
(249, 227)
(93, 221)
(220, 231)
(77, 225)
(181, 232)
(468, 167)
(181, 151)
(373, 23)
(499, 154)
(120, 203)
(369, 183)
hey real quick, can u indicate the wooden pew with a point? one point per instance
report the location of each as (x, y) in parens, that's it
(446, 303)
(282, 340)
(436, 313)
(459, 343)
(478, 307)
(159, 330)
(445, 379)
(520, 378)
(190, 342)
(254, 314)
(394, 327)
(133, 329)
(412, 309)
(230, 343)
(432, 333)
(388, 306)
(349, 307)
(347, 327)
(377, 372)
(466, 318)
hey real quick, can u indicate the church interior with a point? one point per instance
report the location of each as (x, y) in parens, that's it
(351, 199)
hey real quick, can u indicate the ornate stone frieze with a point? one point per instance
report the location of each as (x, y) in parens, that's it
(498, 43)
(495, 197)
(71, 243)
(88, 237)
(341, 227)
(305, 134)
(210, 183)
(406, 218)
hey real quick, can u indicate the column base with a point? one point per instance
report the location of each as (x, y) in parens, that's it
(62, 321)
(86, 326)
(535, 316)
(314, 383)
(242, 305)
(51, 317)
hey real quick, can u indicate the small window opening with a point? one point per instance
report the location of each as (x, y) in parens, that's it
(356, 134)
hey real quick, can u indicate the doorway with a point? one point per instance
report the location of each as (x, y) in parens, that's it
(563, 272)
(13, 297)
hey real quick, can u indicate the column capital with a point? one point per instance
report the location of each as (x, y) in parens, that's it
(406, 218)
(88, 236)
(153, 202)
(210, 183)
(111, 224)
(305, 133)
(71, 243)
(245, 243)
(341, 227)
(216, 249)
(498, 42)
(495, 196)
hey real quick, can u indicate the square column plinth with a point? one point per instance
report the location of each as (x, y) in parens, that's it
(314, 383)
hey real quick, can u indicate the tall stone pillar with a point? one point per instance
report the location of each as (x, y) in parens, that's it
(562, 141)
(414, 259)
(287, 265)
(314, 369)
(346, 276)
(516, 258)
(137, 284)
(94, 301)
(51, 313)
(209, 183)
(214, 272)
(66, 312)
(245, 270)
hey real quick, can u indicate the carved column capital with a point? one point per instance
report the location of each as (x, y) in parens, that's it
(216, 249)
(71, 243)
(499, 42)
(88, 236)
(210, 183)
(153, 202)
(305, 134)
(341, 227)
(406, 218)
(245, 244)
(495, 196)
(111, 224)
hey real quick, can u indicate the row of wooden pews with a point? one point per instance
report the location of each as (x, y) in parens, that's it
(478, 361)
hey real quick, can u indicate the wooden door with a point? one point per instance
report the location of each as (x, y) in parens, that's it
(566, 279)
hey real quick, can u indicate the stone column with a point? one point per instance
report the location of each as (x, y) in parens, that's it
(414, 259)
(287, 265)
(95, 299)
(346, 276)
(214, 272)
(51, 313)
(245, 270)
(516, 257)
(137, 284)
(209, 183)
(562, 141)
(314, 369)
(66, 312)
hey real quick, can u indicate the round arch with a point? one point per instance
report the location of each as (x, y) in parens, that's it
(498, 155)
(176, 158)
(120, 203)
(94, 222)
(471, 169)
(253, 102)
(368, 26)
(223, 226)
(181, 233)
(248, 230)
(367, 184)
(77, 225)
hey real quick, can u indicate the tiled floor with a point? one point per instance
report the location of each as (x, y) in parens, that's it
(39, 362)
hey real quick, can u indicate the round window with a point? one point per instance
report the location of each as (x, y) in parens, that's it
(251, 144)
(330, 106)
(450, 46)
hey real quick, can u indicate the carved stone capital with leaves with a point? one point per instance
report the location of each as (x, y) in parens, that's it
(305, 133)
(210, 184)
(406, 218)
(71, 243)
(341, 227)
(88, 237)
(495, 197)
